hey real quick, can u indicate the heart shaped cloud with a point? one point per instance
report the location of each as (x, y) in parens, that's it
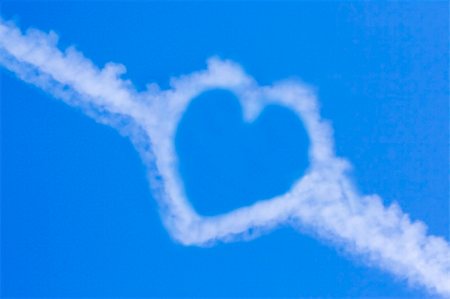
(167, 108)
(324, 200)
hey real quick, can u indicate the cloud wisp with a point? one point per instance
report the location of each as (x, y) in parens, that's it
(324, 201)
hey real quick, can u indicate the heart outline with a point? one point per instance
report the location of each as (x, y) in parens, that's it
(181, 219)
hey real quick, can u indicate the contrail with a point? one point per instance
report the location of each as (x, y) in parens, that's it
(324, 201)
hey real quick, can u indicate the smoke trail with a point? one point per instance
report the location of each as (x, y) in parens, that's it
(324, 201)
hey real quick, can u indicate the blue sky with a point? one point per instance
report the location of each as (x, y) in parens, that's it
(78, 218)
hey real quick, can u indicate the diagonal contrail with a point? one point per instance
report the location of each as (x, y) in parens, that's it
(324, 201)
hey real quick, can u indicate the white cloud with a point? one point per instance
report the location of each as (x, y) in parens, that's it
(324, 201)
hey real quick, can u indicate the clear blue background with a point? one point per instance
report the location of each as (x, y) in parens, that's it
(77, 216)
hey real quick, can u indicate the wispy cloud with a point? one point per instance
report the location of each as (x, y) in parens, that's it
(324, 201)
